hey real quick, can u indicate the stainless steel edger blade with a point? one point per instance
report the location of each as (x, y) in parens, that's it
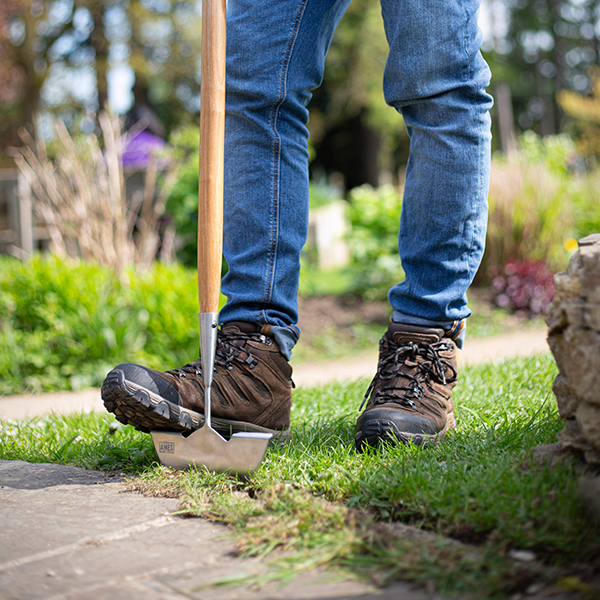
(241, 454)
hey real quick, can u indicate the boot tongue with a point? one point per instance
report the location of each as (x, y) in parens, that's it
(241, 327)
(401, 333)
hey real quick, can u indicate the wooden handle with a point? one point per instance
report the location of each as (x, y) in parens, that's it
(212, 143)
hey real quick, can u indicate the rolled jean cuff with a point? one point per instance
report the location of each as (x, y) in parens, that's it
(455, 330)
(286, 337)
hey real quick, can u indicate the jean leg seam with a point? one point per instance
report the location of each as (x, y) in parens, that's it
(467, 71)
(277, 157)
(475, 230)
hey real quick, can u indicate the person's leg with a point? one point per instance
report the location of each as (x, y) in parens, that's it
(435, 76)
(275, 57)
(276, 54)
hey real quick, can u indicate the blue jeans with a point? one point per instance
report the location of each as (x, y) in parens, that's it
(435, 76)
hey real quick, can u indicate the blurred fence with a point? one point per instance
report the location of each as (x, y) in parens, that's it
(19, 233)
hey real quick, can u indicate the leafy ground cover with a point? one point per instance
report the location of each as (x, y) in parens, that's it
(64, 325)
(470, 501)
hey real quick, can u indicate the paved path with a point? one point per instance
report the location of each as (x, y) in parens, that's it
(522, 343)
(477, 350)
(71, 534)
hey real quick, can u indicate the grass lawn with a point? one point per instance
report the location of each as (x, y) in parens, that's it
(472, 501)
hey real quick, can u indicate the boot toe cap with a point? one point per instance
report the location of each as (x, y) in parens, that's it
(148, 379)
(386, 425)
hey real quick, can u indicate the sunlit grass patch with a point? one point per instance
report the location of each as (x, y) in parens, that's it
(89, 440)
(471, 499)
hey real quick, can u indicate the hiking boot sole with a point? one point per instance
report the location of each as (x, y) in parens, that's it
(145, 410)
(377, 431)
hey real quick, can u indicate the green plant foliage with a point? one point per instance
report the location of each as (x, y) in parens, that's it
(182, 204)
(585, 205)
(374, 216)
(321, 193)
(66, 324)
(324, 282)
(538, 205)
(554, 151)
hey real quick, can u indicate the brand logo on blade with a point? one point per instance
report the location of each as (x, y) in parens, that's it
(166, 447)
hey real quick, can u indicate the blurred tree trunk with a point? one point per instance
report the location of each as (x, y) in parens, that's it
(32, 65)
(547, 121)
(506, 124)
(100, 45)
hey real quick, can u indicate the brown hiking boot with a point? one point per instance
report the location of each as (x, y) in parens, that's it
(251, 389)
(409, 397)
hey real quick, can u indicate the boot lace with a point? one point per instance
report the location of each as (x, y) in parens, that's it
(229, 348)
(432, 367)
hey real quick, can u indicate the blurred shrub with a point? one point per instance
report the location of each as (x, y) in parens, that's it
(531, 205)
(322, 192)
(374, 216)
(78, 191)
(525, 288)
(556, 152)
(64, 324)
(182, 203)
(374, 220)
(315, 281)
(584, 193)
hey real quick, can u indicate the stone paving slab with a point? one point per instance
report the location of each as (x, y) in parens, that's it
(67, 533)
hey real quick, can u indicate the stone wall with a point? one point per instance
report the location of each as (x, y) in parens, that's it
(573, 320)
